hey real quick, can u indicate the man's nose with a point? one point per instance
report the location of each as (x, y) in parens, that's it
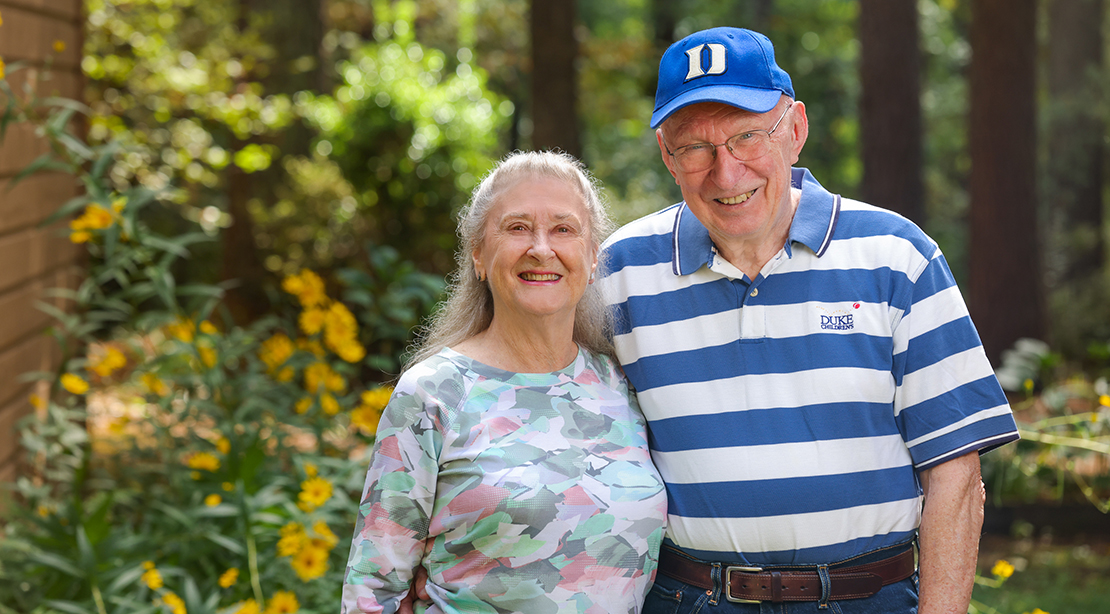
(726, 168)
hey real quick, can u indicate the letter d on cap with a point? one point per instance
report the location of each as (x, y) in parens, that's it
(716, 60)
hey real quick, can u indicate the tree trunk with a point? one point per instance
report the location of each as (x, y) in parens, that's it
(1075, 132)
(1007, 289)
(554, 78)
(890, 107)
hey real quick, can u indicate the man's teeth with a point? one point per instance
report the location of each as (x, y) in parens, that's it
(539, 277)
(736, 200)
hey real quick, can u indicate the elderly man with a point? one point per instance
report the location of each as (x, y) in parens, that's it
(816, 392)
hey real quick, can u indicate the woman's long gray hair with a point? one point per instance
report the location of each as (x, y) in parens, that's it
(468, 309)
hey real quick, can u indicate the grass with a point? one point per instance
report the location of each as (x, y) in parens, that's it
(1053, 576)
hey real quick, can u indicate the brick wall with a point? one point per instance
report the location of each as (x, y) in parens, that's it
(32, 258)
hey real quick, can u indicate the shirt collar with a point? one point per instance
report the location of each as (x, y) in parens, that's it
(812, 226)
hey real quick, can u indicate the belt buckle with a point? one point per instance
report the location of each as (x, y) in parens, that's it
(728, 582)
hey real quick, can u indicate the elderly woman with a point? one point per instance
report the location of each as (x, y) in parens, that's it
(512, 461)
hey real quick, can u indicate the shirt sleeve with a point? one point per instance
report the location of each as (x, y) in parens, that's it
(948, 401)
(397, 501)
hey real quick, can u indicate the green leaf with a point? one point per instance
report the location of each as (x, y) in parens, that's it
(66, 606)
(71, 206)
(176, 514)
(56, 562)
(226, 542)
(96, 525)
(45, 162)
(124, 580)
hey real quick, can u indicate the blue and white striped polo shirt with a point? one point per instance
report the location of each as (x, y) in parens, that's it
(788, 414)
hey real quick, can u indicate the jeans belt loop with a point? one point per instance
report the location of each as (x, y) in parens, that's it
(715, 592)
(826, 586)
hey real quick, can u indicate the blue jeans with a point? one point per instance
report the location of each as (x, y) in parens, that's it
(670, 596)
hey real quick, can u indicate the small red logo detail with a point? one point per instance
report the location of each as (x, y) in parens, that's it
(855, 305)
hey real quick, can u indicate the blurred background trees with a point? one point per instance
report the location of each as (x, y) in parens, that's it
(316, 132)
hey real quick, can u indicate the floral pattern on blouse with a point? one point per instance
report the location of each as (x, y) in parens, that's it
(518, 492)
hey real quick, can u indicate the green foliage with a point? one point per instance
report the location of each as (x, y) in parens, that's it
(412, 139)
(1048, 578)
(167, 451)
(178, 84)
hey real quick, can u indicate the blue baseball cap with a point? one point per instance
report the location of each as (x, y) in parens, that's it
(733, 66)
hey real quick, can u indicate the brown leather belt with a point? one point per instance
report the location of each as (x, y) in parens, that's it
(754, 585)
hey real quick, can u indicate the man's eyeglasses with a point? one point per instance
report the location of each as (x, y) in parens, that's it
(745, 146)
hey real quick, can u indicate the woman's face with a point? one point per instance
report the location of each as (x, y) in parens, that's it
(537, 253)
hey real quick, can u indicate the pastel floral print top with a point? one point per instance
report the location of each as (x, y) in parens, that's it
(520, 492)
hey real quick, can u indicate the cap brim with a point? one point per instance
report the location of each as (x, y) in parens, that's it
(749, 99)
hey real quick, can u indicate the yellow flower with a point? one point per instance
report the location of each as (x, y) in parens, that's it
(320, 375)
(366, 419)
(208, 356)
(283, 602)
(148, 564)
(303, 405)
(310, 563)
(307, 287)
(249, 606)
(367, 415)
(1028, 386)
(340, 327)
(105, 360)
(351, 351)
(36, 401)
(1003, 569)
(1036, 611)
(376, 398)
(176, 605)
(95, 217)
(208, 328)
(315, 492)
(213, 500)
(285, 375)
(43, 511)
(1, 69)
(1104, 400)
(293, 538)
(74, 384)
(312, 346)
(275, 351)
(154, 384)
(77, 236)
(229, 577)
(195, 475)
(203, 460)
(321, 528)
(119, 204)
(311, 470)
(152, 578)
(223, 445)
(328, 404)
(312, 321)
(228, 486)
(59, 46)
(183, 330)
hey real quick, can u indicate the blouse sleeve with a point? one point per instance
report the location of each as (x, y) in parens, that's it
(397, 500)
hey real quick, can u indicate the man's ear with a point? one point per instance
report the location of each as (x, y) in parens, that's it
(799, 130)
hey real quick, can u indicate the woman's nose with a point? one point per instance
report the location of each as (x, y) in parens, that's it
(541, 246)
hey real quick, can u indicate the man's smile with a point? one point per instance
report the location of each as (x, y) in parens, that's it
(736, 200)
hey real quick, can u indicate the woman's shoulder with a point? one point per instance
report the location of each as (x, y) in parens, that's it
(441, 376)
(606, 367)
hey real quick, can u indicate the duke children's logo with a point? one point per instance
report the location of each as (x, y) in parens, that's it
(840, 319)
(717, 55)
